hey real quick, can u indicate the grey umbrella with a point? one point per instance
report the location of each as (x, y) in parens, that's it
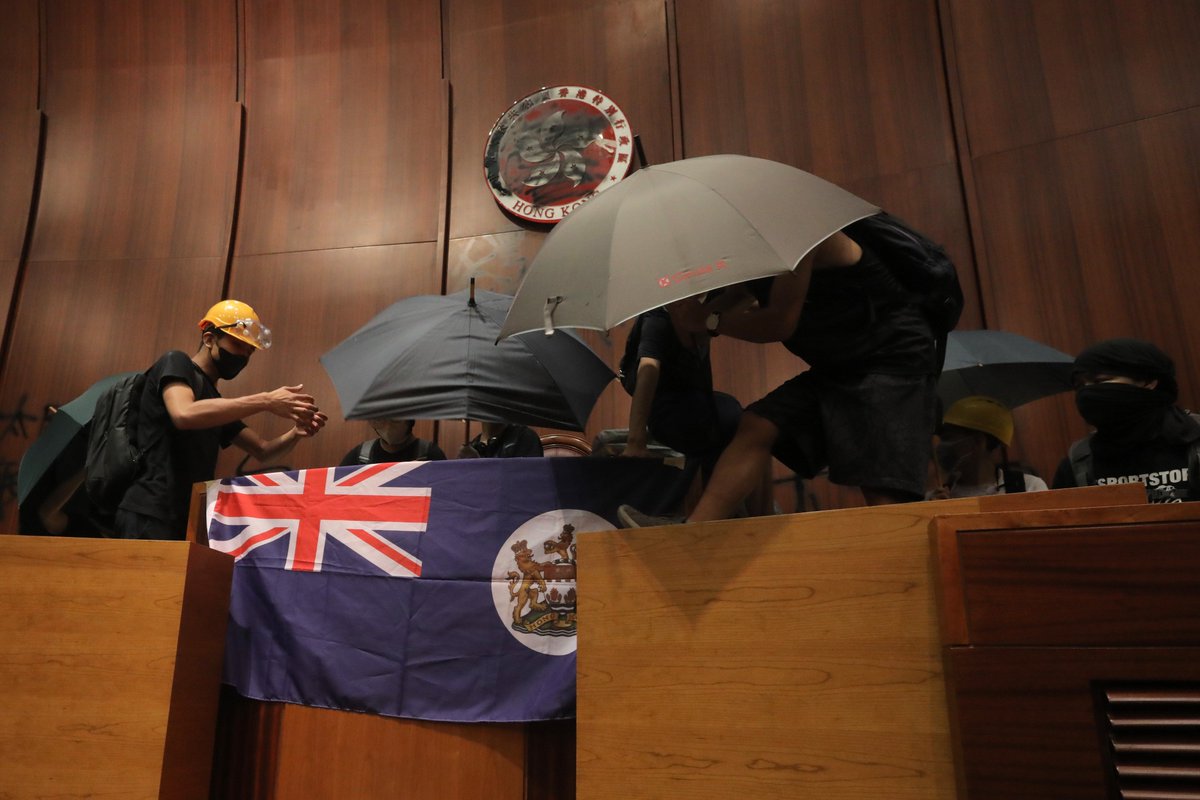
(1006, 366)
(436, 357)
(675, 230)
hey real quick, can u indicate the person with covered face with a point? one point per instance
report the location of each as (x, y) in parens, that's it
(183, 421)
(1126, 390)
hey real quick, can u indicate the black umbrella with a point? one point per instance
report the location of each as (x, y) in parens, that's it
(1006, 366)
(436, 357)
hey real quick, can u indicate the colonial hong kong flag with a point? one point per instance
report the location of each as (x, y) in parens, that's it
(437, 590)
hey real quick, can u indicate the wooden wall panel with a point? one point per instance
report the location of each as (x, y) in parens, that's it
(846, 90)
(19, 132)
(141, 153)
(345, 124)
(1095, 236)
(312, 301)
(19, 121)
(1033, 70)
(498, 51)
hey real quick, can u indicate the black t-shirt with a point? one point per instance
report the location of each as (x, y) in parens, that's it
(1160, 464)
(409, 452)
(682, 369)
(859, 320)
(175, 459)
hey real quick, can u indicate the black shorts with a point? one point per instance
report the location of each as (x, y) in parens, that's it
(872, 431)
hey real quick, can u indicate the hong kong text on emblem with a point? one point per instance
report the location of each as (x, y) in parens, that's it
(554, 149)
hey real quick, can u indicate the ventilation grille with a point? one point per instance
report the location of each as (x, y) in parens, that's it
(1154, 741)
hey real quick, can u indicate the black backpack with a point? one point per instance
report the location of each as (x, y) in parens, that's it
(364, 451)
(920, 267)
(113, 456)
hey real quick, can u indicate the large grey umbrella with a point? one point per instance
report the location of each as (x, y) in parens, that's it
(675, 230)
(61, 438)
(436, 357)
(1006, 366)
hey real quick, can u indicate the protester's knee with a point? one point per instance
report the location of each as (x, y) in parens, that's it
(756, 431)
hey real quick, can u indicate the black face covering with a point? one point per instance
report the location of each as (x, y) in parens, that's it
(229, 364)
(1122, 413)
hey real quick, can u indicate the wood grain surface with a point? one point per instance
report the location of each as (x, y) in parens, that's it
(110, 653)
(793, 656)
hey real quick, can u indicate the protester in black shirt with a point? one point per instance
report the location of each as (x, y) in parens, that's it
(1126, 389)
(394, 441)
(184, 421)
(672, 395)
(503, 440)
(866, 408)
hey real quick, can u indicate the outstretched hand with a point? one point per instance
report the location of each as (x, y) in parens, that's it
(289, 403)
(312, 426)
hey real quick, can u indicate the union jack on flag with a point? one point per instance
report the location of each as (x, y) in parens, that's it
(354, 507)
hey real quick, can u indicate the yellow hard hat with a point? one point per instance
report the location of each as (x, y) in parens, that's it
(984, 414)
(239, 321)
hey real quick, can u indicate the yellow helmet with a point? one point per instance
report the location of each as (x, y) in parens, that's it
(239, 321)
(984, 414)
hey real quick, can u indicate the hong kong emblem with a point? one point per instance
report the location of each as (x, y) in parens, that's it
(554, 149)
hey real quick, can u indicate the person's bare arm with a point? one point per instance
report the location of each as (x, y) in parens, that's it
(188, 413)
(778, 319)
(648, 371)
(264, 450)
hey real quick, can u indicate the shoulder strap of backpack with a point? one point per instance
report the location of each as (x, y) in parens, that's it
(1080, 455)
(422, 449)
(364, 451)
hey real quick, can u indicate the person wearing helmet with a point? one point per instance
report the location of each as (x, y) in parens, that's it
(1126, 390)
(975, 430)
(183, 421)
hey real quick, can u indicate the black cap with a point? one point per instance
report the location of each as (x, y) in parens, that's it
(1130, 358)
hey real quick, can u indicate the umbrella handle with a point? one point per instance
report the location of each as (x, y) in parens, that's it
(548, 313)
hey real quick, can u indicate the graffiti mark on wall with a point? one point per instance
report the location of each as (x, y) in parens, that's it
(13, 424)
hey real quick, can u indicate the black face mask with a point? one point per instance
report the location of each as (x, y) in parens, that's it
(1121, 411)
(229, 364)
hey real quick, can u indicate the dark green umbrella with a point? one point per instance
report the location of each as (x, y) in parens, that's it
(61, 439)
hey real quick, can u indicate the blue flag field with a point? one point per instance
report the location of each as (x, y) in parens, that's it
(433, 590)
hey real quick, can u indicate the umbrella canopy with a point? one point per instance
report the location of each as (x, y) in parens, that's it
(1007, 366)
(61, 438)
(675, 230)
(436, 357)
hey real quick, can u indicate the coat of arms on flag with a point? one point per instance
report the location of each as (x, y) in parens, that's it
(436, 590)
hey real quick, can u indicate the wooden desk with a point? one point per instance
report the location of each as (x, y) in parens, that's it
(1067, 631)
(780, 657)
(110, 659)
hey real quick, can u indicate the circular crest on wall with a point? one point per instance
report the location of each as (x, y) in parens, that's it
(554, 149)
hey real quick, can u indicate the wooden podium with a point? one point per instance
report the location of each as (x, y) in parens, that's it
(781, 657)
(281, 750)
(110, 659)
(1072, 645)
